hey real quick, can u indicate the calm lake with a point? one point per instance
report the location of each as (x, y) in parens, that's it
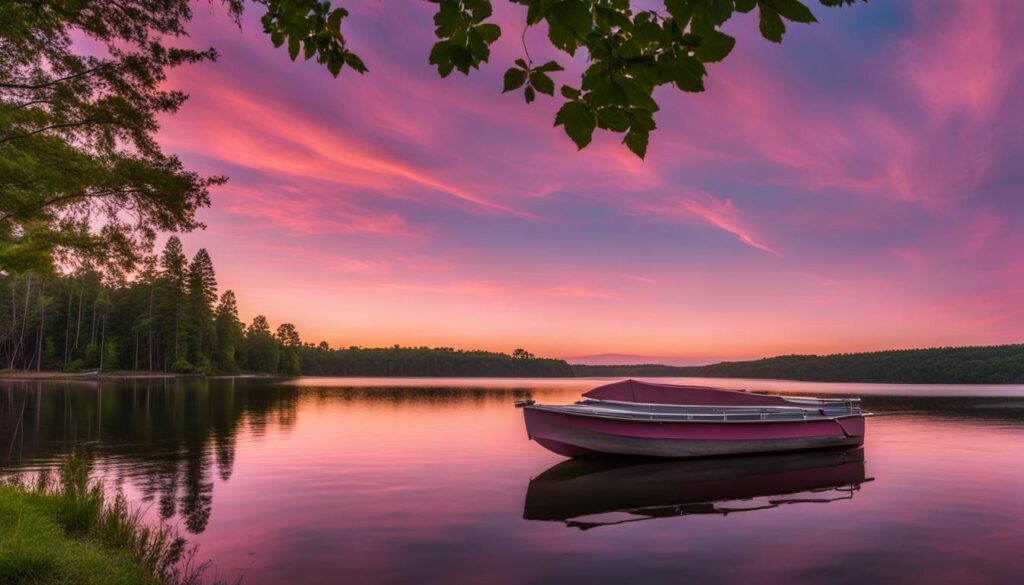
(325, 480)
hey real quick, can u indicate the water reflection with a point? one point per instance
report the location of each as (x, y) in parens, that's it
(166, 436)
(322, 481)
(592, 492)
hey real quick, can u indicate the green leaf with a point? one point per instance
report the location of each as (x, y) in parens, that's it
(293, 46)
(689, 74)
(334, 20)
(640, 98)
(576, 14)
(461, 58)
(522, 64)
(277, 37)
(481, 9)
(447, 18)
(542, 83)
(334, 66)
(681, 11)
(489, 32)
(309, 49)
(536, 11)
(715, 47)
(771, 25)
(614, 119)
(478, 46)
(636, 140)
(794, 10)
(578, 122)
(719, 11)
(570, 92)
(529, 94)
(646, 33)
(353, 61)
(514, 79)
(440, 55)
(701, 24)
(640, 126)
(549, 67)
(745, 6)
(562, 38)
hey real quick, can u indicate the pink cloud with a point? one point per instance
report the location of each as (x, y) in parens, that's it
(882, 179)
(978, 57)
(717, 212)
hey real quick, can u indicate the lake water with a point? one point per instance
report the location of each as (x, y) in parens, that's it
(322, 480)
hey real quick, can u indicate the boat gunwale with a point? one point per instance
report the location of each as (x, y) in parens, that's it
(573, 410)
(828, 401)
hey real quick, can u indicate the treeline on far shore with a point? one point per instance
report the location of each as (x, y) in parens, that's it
(169, 317)
(426, 361)
(998, 364)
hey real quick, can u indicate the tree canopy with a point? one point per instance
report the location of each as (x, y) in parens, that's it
(81, 174)
(630, 50)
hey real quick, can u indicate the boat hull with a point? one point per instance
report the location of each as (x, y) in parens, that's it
(578, 435)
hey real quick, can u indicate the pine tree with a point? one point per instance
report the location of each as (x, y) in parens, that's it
(172, 288)
(201, 296)
(262, 349)
(288, 338)
(228, 352)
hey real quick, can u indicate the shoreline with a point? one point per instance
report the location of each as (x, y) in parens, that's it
(30, 376)
(93, 376)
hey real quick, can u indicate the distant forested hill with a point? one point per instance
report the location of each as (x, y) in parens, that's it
(999, 364)
(426, 361)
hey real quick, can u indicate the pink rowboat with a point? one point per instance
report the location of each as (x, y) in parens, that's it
(665, 420)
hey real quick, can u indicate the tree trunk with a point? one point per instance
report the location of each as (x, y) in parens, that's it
(14, 321)
(78, 326)
(150, 327)
(42, 324)
(24, 322)
(67, 331)
(92, 334)
(103, 340)
(177, 320)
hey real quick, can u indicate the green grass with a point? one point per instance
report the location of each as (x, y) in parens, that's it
(36, 549)
(65, 531)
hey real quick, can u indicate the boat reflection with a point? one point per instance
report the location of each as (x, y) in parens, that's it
(603, 491)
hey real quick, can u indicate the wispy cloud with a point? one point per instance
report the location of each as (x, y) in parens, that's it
(719, 213)
(868, 170)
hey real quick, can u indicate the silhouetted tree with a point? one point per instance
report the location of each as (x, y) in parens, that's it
(202, 294)
(229, 350)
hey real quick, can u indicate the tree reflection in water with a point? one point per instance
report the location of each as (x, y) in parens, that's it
(167, 437)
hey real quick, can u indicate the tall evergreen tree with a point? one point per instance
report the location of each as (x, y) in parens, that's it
(146, 321)
(288, 337)
(173, 303)
(201, 296)
(261, 347)
(229, 351)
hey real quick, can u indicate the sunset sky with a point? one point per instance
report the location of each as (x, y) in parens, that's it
(857, 187)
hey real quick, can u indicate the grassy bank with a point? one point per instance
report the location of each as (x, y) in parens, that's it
(62, 529)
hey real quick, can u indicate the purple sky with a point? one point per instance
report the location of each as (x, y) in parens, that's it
(857, 187)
